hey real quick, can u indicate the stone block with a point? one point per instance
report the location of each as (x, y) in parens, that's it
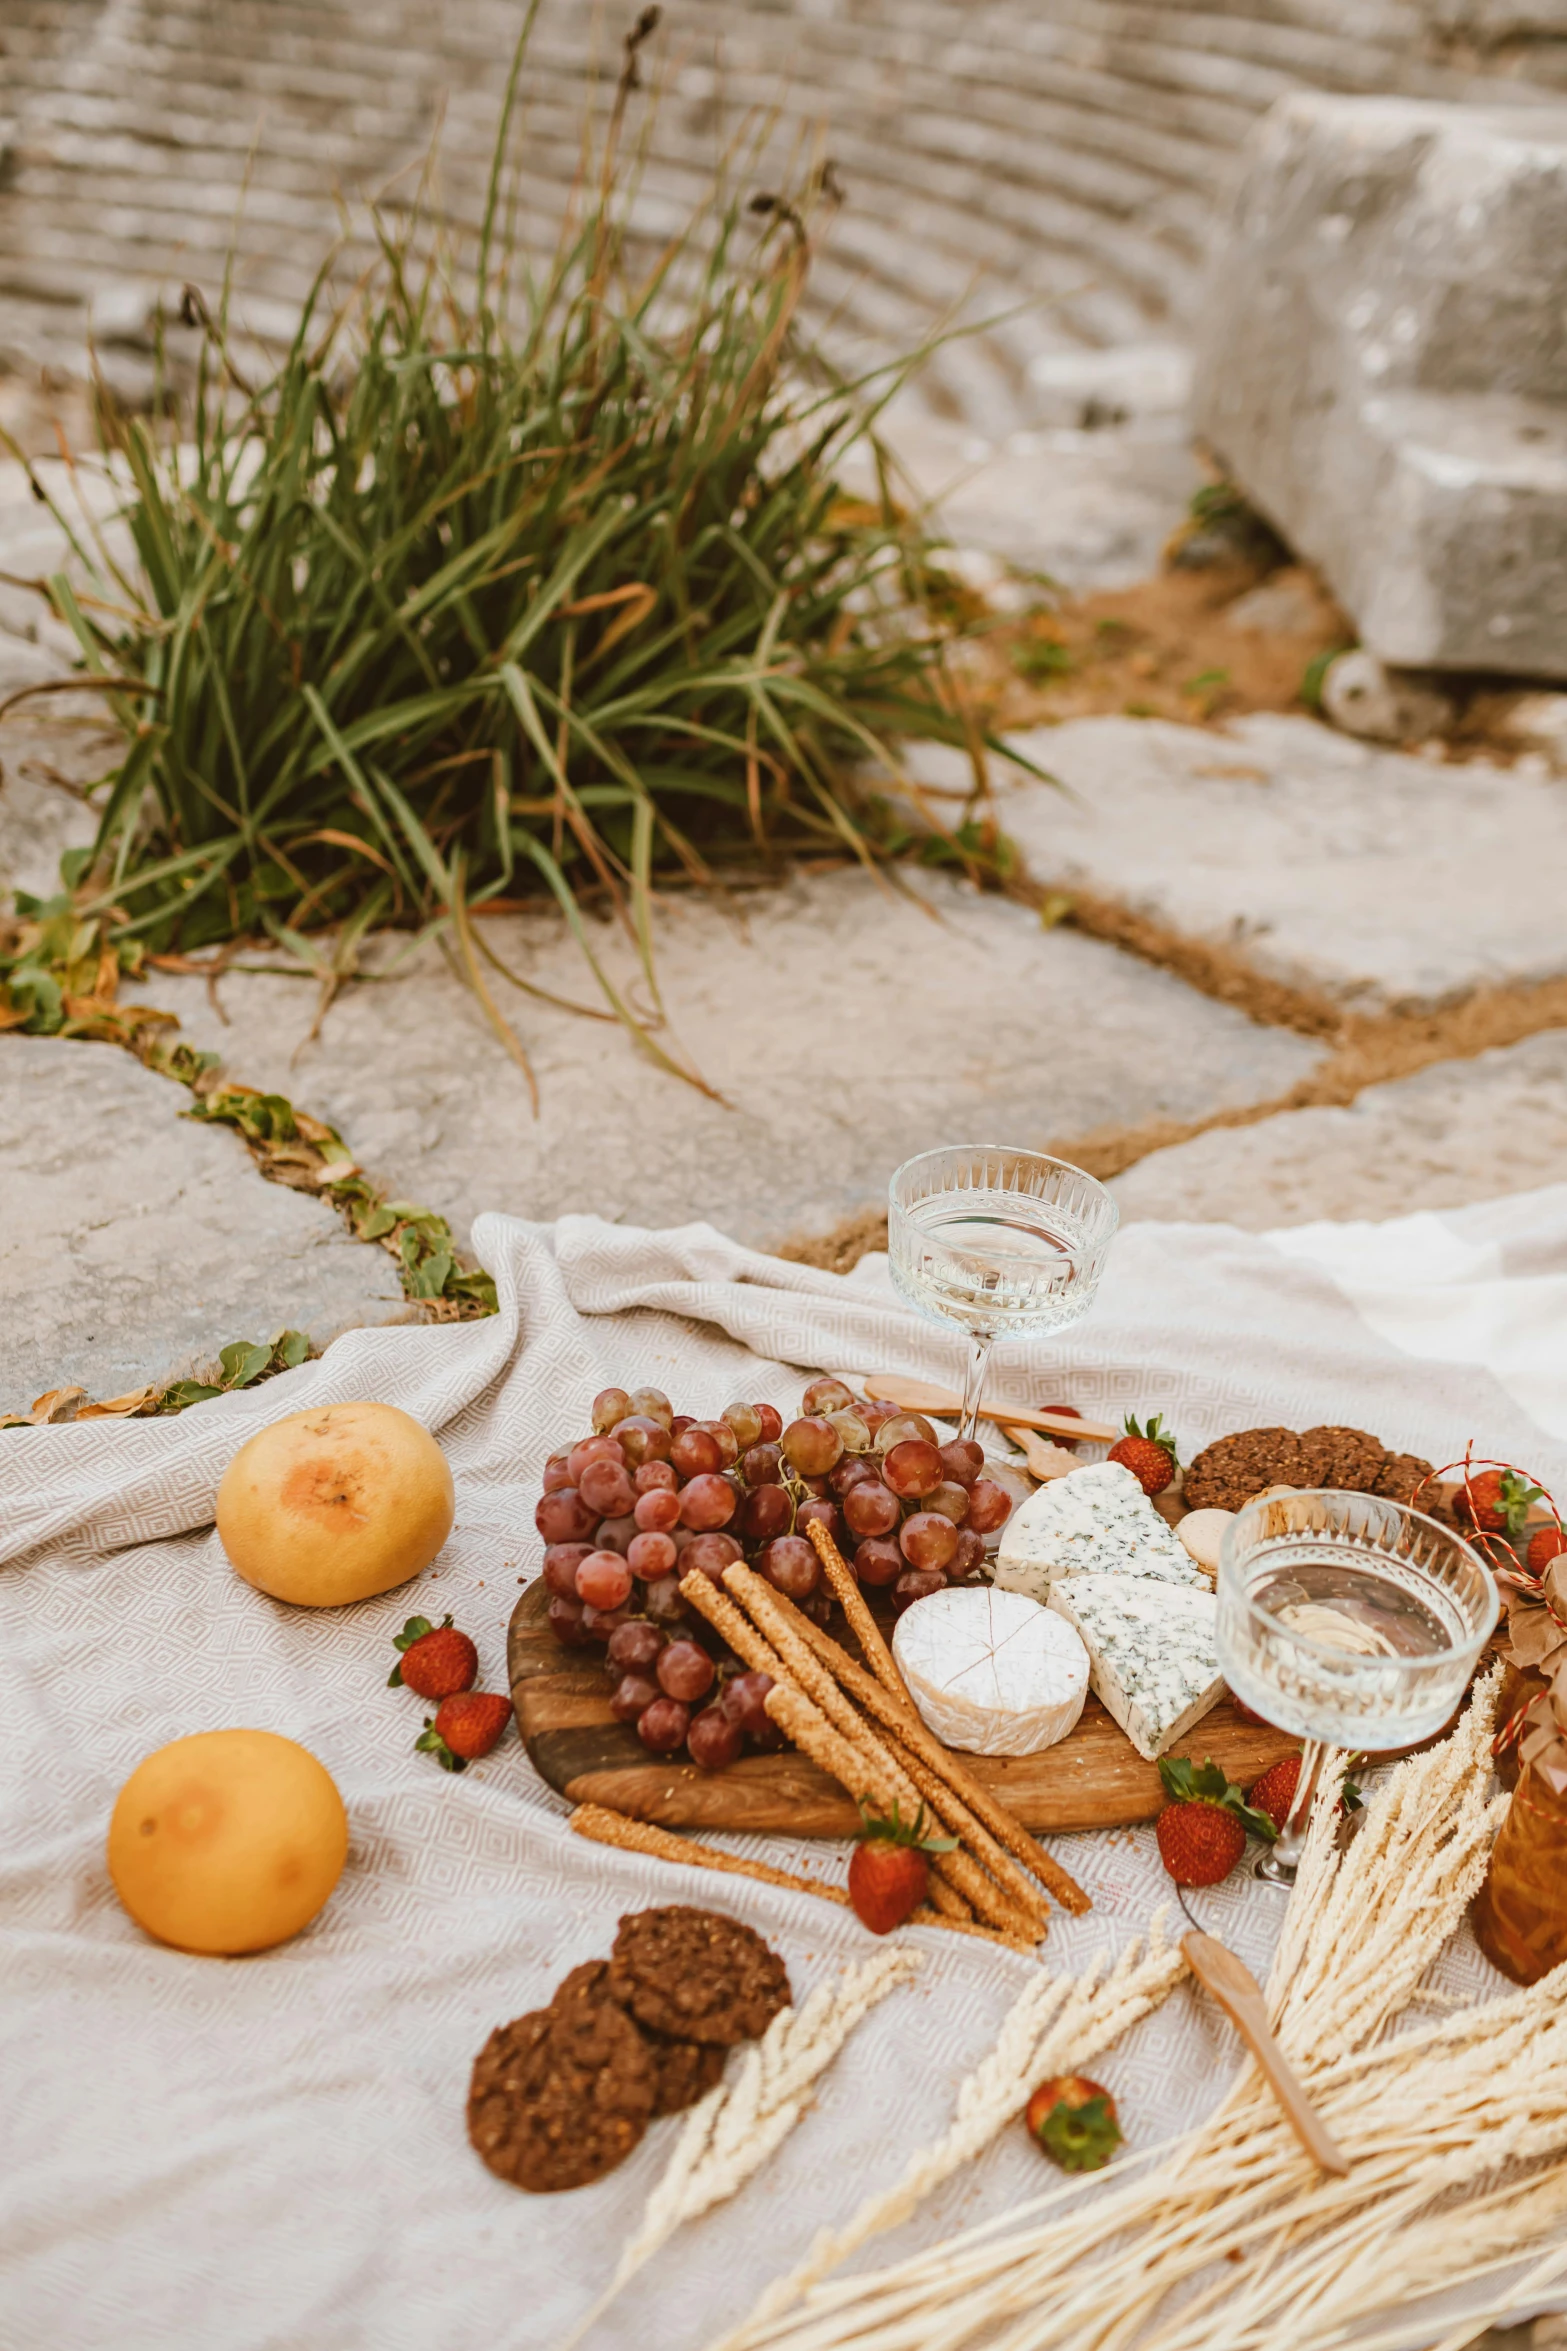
(1383, 367)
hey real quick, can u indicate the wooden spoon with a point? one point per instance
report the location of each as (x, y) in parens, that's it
(918, 1396)
(1239, 1994)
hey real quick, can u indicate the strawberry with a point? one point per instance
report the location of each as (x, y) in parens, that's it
(466, 1726)
(1148, 1453)
(1545, 1544)
(1202, 1831)
(888, 1873)
(1274, 1793)
(436, 1660)
(1498, 1500)
(1074, 2121)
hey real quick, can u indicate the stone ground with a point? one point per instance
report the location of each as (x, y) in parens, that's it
(1301, 978)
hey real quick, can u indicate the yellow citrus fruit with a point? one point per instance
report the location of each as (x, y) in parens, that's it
(228, 1841)
(335, 1504)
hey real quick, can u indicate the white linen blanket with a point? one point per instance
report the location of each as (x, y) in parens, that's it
(269, 2154)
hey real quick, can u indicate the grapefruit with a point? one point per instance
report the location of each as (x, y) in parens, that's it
(226, 1842)
(335, 1504)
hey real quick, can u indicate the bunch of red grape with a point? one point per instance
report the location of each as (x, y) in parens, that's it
(654, 1494)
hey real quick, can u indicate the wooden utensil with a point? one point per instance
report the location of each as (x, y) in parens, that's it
(918, 1396)
(1239, 1994)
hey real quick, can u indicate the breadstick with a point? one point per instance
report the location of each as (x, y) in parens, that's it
(852, 1601)
(702, 1594)
(906, 1725)
(773, 1613)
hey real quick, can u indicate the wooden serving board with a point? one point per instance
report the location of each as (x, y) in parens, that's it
(1095, 1779)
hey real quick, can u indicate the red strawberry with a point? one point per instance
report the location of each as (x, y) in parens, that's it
(1075, 2122)
(1498, 1500)
(1148, 1453)
(465, 1727)
(1274, 1793)
(1202, 1831)
(888, 1872)
(436, 1660)
(1545, 1544)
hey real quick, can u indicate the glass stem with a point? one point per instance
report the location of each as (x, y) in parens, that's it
(974, 1390)
(1282, 1858)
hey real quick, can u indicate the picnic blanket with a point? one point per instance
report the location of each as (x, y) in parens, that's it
(259, 2154)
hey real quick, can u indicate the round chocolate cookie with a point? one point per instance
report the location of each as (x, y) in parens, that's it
(1398, 1477)
(1349, 1460)
(697, 1975)
(683, 2071)
(561, 2095)
(1227, 1473)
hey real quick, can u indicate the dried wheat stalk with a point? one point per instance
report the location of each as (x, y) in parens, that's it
(739, 2124)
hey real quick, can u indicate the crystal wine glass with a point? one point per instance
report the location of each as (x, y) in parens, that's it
(1003, 1243)
(1350, 1621)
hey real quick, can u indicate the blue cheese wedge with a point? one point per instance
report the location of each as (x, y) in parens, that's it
(1153, 1661)
(1095, 1521)
(991, 1671)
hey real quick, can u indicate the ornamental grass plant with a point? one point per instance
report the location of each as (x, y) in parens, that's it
(514, 584)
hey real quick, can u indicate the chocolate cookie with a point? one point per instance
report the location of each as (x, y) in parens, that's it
(1349, 1460)
(697, 1975)
(683, 2071)
(1227, 1473)
(561, 2095)
(1398, 1477)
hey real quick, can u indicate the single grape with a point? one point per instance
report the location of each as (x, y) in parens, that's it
(871, 1508)
(765, 1512)
(878, 1562)
(565, 1622)
(746, 1422)
(707, 1502)
(912, 1468)
(652, 1404)
(790, 1566)
(828, 1513)
(853, 1433)
(642, 1439)
(713, 1740)
(817, 1606)
(852, 1470)
(902, 1428)
(594, 1449)
(682, 1420)
(661, 1601)
(989, 1506)
(820, 1489)
(662, 1726)
(724, 1438)
(603, 1623)
(928, 1540)
(685, 1671)
(604, 1580)
(563, 1517)
(556, 1475)
(916, 1583)
(743, 1699)
(656, 1477)
(651, 1555)
(561, 1562)
(657, 1511)
(826, 1395)
(695, 1454)
(877, 1413)
(617, 1534)
(609, 1406)
(950, 1499)
(969, 1555)
(962, 1461)
(772, 1423)
(762, 1465)
(710, 1555)
(811, 1447)
(634, 1647)
(633, 1694)
(605, 1487)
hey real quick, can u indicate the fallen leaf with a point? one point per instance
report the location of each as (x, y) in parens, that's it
(118, 1405)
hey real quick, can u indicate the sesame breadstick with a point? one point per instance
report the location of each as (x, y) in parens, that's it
(852, 1601)
(702, 1594)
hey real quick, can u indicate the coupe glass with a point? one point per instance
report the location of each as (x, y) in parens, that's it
(1004, 1244)
(1352, 1622)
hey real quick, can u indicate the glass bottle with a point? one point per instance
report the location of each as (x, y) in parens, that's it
(1520, 1913)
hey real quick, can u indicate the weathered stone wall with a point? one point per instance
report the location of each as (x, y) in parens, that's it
(1072, 149)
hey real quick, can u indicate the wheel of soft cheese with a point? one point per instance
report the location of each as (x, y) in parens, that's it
(990, 1671)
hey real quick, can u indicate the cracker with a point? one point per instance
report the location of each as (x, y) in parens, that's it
(561, 2095)
(683, 2071)
(1348, 1460)
(1226, 1474)
(697, 1975)
(1400, 1475)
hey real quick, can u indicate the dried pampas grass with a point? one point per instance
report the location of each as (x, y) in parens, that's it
(1232, 2231)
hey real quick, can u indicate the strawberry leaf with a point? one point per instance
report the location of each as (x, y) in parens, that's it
(893, 1830)
(1205, 1783)
(430, 1742)
(414, 1630)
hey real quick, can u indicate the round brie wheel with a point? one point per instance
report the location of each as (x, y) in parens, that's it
(992, 1671)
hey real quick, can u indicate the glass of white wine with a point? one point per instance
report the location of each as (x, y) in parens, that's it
(1004, 1244)
(1351, 1622)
